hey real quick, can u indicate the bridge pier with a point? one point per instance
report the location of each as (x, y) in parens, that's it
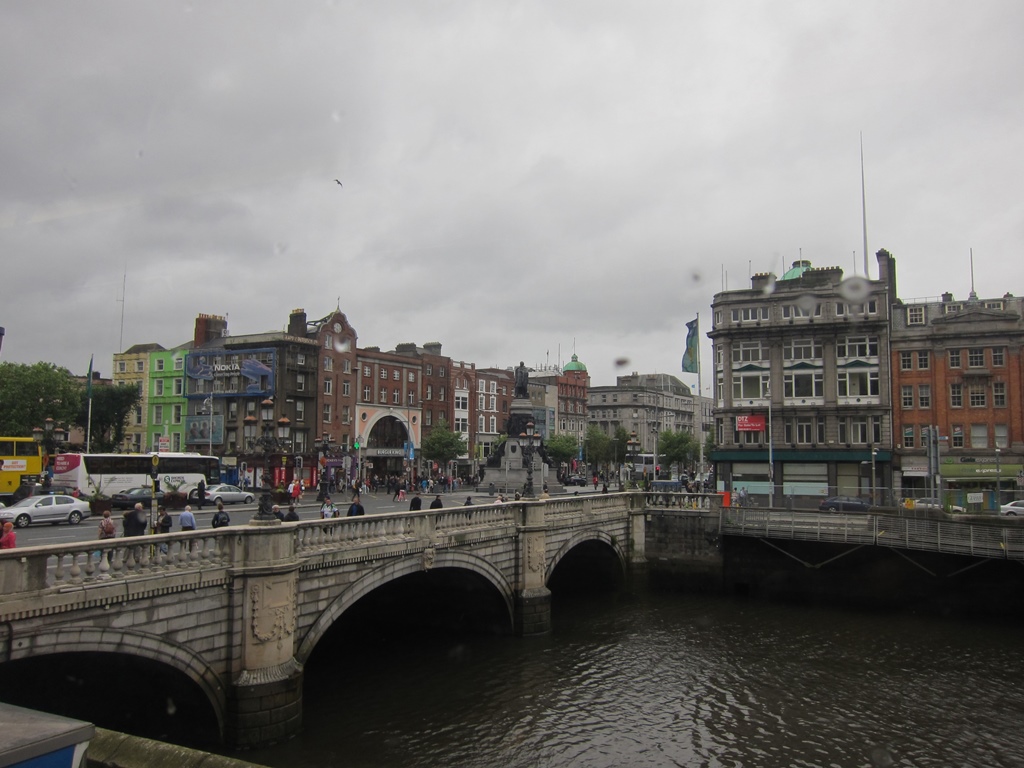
(533, 598)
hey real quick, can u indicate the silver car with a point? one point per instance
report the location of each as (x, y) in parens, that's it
(53, 509)
(229, 494)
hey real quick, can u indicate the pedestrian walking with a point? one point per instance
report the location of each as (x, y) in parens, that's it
(220, 517)
(9, 539)
(356, 509)
(292, 516)
(187, 519)
(417, 503)
(133, 523)
(201, 493)
(437, 503)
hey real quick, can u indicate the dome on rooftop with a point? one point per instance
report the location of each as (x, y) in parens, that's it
(799, 267)
(575, 365)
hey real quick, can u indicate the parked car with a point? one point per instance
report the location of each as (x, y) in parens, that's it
(1013, 508)
(844, 504)
(931, 502)
(133, 496)
(577, 480)
(53, 509)
(229, 494)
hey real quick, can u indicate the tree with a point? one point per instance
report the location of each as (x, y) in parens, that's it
(562, 448)
(597, 445)
(678, 448)
(30, 394)
(443, 445)
(111, 407)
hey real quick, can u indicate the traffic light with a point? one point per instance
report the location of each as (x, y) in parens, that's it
(355, 445)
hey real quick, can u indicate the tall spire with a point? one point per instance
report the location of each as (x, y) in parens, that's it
(864, 208)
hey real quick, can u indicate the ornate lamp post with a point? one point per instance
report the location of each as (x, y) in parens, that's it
(632, 447)
(268, 443)
(51, 437)
(529, 443)
(999, 479)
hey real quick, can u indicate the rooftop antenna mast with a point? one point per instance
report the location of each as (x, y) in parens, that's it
(864, 207)
(973, 294)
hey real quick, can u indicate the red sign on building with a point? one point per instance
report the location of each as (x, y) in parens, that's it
(750, 423)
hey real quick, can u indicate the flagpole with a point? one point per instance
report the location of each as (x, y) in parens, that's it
(700, 405)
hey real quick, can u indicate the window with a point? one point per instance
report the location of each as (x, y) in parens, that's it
(346, 414)
(440, 393)
(346, 388)
(494, 388)
(461, 424)
(750, 386)
(410, 397)
(869, 307)
(859, 430)
(396, 396)
(328, 386)
(366, 371)
(328, 363)
(140, 366)
(300, 382)
(396, 375)
(480, 402)
(159, 364)
(429, 393)
(805, 431)
(481, 386)
(158, 387)
(993, 305)
(998, 357)
(908, 437)
(906, 361)
(300, 359)
(383, 373)
(158, 414)
(493, 422)
(429, 370)
(492, 403)
(480, 423)
(857, 346)
(923, 360)
(346, 366)
(749, 351)
(977, 396)
(176, 414)
(382, 395)
(327, 413)
(122, 367)
(803, 385)
(956, 395)
(975, 358)
(979, 435)
(858, 383)
(750, 313)
(428, 417)
(924, 396)
(328, 341)
(915, 315)
(462, 402)
(954, 358)
(957, 438)
(999, 394)
(441, 371)
(800, 310)
(179, 386)
(801, 349)
(1002, 436)
(366, 394)
(907, 396)
(300, 410)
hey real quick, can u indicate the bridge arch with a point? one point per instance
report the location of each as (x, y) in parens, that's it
(582, 537)
(140, 644)
(446, 558)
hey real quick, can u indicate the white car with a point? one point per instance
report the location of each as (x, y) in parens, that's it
(1013, 508)
(229, 494)
(55, 508)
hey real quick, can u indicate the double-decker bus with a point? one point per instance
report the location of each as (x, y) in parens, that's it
(110, 473)
(21, 461)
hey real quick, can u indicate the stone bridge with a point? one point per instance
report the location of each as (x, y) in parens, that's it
(239, 610)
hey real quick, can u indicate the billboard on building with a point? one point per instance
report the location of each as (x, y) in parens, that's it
(752, 423)
(236, 373)
(198, 430)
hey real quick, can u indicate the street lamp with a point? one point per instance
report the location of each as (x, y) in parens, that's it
(208, 405)
(874, 456)
(999, 484)
(632, 446)
(50, 436)
(529, 442)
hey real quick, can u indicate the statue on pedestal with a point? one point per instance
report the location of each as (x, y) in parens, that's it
(522, 388)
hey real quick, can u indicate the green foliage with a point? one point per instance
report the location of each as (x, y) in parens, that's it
(679, 448)
(442, 445)
(29, 394)
(562, 448)
(597, 445)
(111, 407)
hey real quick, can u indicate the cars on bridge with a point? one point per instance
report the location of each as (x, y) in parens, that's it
(131, 497)
(1013, 509)
(844, 504)
(54, 508)
(932, 502)
(228, 494)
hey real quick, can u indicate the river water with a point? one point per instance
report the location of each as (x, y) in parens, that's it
(649, 679)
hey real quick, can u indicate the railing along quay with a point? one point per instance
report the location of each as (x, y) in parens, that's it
(1004, 542)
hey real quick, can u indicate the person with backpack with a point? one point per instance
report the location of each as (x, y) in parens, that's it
(107, 529)
(220, 517)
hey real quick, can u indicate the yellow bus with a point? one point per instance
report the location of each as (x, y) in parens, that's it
(21, 461)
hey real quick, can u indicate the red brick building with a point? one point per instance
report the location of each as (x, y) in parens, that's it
(956, 366)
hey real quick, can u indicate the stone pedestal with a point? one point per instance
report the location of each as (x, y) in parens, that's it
(511, 476)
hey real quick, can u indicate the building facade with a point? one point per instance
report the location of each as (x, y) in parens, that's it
(958, 387)
(802, 384)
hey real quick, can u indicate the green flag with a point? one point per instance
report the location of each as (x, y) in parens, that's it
(691, 357)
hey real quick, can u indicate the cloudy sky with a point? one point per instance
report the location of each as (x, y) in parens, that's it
(521, 179)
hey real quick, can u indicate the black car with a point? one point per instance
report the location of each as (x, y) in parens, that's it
(133, 496)
(844, 504)
(577, 480)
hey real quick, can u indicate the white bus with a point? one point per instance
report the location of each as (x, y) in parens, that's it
(111, 473)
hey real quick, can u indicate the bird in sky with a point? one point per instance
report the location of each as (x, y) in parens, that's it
(339, 183)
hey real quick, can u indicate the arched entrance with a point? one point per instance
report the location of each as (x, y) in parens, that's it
(387, 448)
